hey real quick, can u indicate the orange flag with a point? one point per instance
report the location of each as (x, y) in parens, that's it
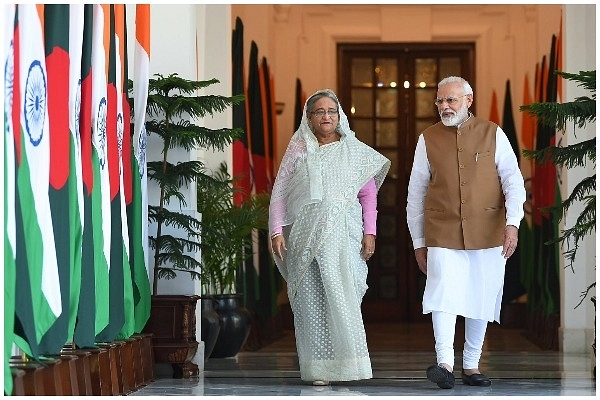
(528, 123)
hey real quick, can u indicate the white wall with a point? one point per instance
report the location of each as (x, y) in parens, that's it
(195, 42)
(172, 50)
(576, 332)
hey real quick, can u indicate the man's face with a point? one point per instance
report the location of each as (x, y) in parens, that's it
(453, 104)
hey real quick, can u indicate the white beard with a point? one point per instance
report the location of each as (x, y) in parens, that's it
(457, 118)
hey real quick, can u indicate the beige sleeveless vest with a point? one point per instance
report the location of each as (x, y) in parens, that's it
(464, 206)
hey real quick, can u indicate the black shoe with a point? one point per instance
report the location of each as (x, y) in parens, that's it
(475, 379)
(441, 376)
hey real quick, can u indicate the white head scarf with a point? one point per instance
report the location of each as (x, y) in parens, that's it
(312, 144)
(296, 185)
(298, 188)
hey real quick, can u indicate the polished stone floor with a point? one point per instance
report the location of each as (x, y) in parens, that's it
(400, 353)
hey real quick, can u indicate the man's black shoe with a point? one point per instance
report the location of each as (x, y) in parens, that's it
(475, 379)
(441, 376)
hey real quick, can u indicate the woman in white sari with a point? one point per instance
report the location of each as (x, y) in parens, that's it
(322, 221)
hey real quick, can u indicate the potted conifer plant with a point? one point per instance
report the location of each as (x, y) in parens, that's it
(174, 106)
(579, 112)
(226, 243)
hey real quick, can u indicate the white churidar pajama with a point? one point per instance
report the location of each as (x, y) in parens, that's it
(476, 276)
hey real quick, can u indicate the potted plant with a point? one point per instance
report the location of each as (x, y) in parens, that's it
(226, 243)
(556, 115)
(173, 108)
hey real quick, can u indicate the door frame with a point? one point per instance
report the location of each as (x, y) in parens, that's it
(407, 307)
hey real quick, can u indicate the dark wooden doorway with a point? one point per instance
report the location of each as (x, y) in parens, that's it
(388, 91)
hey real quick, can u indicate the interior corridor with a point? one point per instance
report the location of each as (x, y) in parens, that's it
(400, 353)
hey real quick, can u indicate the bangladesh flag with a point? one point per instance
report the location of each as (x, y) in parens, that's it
(123, 150)
(9, 192)
(63, 179)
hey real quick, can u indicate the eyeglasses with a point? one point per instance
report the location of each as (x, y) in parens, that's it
(320, 113)
(449, 100)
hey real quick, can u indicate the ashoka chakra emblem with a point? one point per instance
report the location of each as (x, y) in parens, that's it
(35, 103)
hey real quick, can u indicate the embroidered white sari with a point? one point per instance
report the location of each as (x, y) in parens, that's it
(315, 200)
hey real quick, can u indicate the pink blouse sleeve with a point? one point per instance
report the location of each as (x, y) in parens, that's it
(277, 211)
(367, 196)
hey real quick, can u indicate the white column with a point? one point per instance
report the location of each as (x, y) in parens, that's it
(213, 36)
(193, 40)
(579, 52)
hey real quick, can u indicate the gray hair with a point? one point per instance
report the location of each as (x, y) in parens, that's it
(457, 79)
(310, 103)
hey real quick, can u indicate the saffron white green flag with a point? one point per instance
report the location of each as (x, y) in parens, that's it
(92, 316)
(39, 261)
(139, 208)
(101, 190)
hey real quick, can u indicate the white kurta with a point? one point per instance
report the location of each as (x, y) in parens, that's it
(465, 282)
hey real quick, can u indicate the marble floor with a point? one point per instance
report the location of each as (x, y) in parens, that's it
(400, 353)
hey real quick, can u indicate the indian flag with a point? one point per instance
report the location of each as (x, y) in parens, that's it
(138, 209)
(101, 190)
(38, 300)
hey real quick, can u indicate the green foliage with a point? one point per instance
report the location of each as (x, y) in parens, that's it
(173, 107)
(581, 111)
(227, 231)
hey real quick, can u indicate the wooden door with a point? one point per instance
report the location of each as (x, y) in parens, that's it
(388, 91)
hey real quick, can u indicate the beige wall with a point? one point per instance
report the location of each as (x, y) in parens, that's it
(299, 41)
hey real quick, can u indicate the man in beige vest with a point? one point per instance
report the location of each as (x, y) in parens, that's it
(465, 204)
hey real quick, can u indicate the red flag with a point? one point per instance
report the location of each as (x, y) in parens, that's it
(241, 149)
(57, 67)
(494, 116)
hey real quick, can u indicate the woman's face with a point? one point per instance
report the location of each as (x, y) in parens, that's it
(324, 116)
